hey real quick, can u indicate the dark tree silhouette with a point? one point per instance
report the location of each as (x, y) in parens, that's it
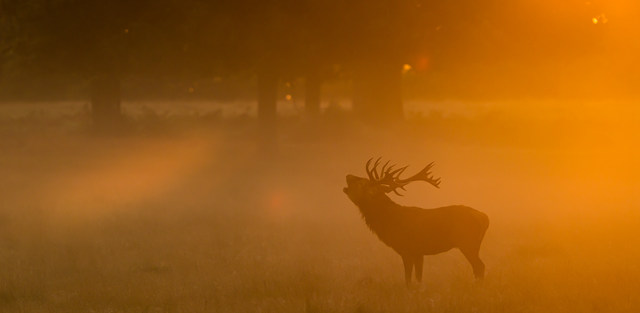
(105, 42)
(16, 41)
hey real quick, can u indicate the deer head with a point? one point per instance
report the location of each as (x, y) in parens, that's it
(387, 180)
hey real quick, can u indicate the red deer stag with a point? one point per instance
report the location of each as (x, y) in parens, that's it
(414, 232)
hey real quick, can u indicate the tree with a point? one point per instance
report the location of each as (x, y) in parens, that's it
(105, 42)
(374, 40)
(16, 48)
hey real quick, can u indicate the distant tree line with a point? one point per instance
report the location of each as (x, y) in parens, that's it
(99, 44)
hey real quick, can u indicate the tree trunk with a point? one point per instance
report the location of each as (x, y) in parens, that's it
(312, 94)
(106, 100)
(267, 107)
(377, 92)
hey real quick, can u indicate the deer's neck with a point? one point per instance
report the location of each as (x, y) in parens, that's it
(377, 211)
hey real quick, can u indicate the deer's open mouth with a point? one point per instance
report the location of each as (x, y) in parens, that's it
(350, 179)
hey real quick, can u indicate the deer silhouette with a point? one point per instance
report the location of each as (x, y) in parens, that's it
(411, 231)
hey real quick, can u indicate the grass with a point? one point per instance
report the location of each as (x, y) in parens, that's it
(195, 219)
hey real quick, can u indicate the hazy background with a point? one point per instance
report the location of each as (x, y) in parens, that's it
(185, 214)
(189, 156)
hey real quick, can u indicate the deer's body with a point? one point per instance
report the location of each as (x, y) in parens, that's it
(414, 232)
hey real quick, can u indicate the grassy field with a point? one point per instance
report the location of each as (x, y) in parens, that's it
(185, 214)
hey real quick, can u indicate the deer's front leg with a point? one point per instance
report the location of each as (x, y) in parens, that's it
(419, 260)
(408, 268)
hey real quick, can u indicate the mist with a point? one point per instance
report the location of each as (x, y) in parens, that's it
(192, 156)
(189, 214)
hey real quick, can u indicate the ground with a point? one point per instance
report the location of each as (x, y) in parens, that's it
(186, 214)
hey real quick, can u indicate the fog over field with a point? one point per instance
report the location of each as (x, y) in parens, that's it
(187, 156)
(184, 212)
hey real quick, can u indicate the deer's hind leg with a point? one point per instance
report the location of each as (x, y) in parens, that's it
(408, 262)
(472, 255)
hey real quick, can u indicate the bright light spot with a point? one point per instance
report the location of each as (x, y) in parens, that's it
(126, 30)
(422, 64)
(278, 204)
(191, 90)
(288, 97)
(406, 68)
(276, 201)
(600, 19)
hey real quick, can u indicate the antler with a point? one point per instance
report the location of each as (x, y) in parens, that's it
(390, 180)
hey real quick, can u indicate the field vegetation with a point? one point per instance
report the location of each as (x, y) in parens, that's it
(182, 212)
